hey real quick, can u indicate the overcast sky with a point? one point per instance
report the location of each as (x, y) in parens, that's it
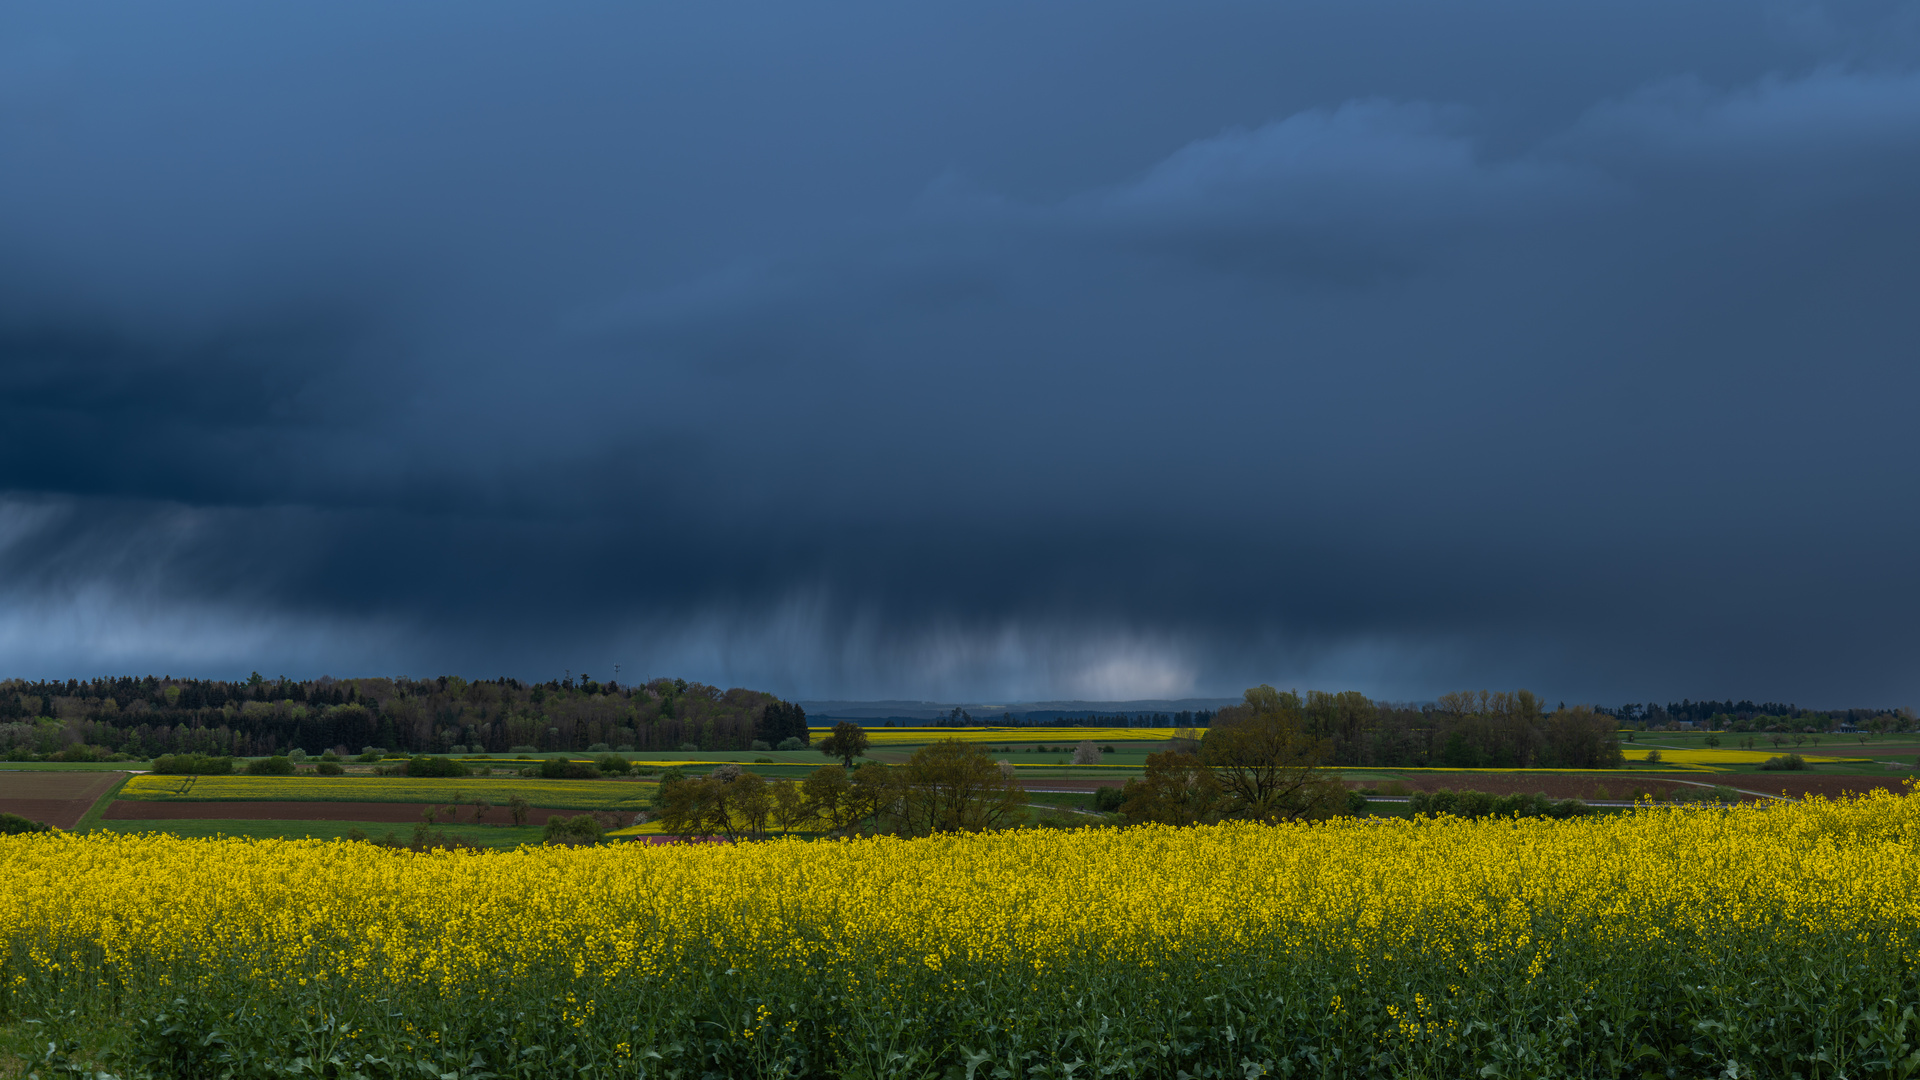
(981, 351)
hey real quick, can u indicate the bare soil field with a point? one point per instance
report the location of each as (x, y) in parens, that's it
(57, 798)
(234, 810)
(1624, 785)
(1588, 786)
(1558, 785)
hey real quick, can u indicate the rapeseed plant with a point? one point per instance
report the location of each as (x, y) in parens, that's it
(1732, 941)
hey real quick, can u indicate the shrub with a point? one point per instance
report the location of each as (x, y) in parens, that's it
(689, 748)
(562, 769)
(792, 742)
(523, 749)
(329, 756)
(1107, 800)
(1653, 757)
(1789, 763)
(271, 766)
(458, 749)
(1356, 803)
(329, 768)
(433, 766)
(613, 764)
(763, 761)
(1474, 804)
(371, 753)
(574, 830)
(760, 744)
(600, 748)
(192, 765)
(297, 756)
(15, 825)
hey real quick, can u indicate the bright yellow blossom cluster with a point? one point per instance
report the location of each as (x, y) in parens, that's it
(1424, 936)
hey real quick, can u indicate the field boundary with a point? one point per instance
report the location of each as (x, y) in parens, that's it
(98, 810)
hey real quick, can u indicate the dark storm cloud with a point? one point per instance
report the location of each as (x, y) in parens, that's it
(988, 351)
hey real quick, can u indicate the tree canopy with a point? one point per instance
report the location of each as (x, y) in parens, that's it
(848, 741)
(1258, 762)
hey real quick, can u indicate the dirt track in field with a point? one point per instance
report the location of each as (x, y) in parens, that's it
(1796, 786)
(247, 810)
(57, 798)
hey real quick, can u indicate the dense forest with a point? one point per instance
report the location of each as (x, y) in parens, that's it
(145, 717)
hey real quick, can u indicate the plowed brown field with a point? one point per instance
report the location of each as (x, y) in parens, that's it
(57, 798)
(238, 810)
(1588, 786)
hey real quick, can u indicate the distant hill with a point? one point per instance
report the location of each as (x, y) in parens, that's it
(922, 712)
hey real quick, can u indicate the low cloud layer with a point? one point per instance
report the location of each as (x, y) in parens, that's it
(982, 352)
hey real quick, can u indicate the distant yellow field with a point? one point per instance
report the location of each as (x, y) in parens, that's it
(916, 735)
(1722, 757)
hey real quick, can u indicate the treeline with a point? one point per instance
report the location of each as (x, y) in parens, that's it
(1764, 716)
(1467, 730)
(1275, 756)
(147, 717)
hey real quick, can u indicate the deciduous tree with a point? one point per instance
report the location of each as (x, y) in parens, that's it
(1177, 789)
(1268, 767)
(848, 741)
(953, 786)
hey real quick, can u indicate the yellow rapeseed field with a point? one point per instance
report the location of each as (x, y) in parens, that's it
(1718, 756)
(1578, 947)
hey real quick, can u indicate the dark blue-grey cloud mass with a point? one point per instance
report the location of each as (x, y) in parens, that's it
(990, 351)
